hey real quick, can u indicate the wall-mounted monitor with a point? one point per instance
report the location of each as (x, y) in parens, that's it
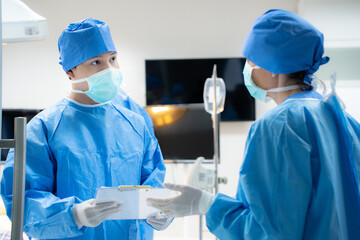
(181, 81)
(184, 132)
(8, 117)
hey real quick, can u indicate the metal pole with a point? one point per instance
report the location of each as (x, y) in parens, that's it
(17, 214)
(215, 117)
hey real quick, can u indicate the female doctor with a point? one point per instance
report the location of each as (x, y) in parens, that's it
(299, 178)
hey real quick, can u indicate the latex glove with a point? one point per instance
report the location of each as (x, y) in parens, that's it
(91, 215)
(192, 201)
(159, 221)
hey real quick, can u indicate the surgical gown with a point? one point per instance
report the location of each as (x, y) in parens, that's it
(299, 178)
(73, 149)
(125, 101)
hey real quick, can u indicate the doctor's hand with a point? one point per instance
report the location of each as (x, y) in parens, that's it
(191, 201)
(90, 214)
(159, 221)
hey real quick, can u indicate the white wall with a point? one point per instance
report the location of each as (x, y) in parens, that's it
(337, 19)
(142, 29)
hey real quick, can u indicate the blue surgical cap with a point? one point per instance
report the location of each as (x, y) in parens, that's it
(282, 42)
(83, 40)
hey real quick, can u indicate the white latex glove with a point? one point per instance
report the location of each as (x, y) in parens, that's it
(159, 221)
(192, 201)
(90, 214)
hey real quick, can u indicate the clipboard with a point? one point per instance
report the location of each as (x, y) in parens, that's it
(133, 200)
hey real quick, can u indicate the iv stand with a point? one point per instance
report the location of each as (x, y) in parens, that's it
(19, 143)
(215, 120)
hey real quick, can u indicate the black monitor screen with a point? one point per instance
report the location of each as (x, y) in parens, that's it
(8, 117)
(182, 82)
(184, 132)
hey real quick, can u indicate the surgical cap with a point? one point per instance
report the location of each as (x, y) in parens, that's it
(282, 42)
(83, 40)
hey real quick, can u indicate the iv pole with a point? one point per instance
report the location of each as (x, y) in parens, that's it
(215, 120)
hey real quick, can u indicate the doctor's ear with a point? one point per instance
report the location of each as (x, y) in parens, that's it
(70, 74)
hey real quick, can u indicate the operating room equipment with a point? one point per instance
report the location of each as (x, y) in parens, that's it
(5, 223)
(214, 101)
(20, 23)
(19, 143)
(214, 98)
(214, 93)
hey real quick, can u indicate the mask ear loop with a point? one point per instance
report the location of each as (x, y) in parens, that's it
(333, 91)
(78, 81)
(316, 82)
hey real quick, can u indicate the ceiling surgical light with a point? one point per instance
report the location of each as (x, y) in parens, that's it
(20, 23)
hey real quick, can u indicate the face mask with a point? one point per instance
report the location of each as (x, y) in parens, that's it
(103, 86)
(259, 93)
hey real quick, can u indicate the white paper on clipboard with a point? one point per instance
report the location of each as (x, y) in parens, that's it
(133, 200)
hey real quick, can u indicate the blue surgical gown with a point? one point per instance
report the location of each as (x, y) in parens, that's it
(73, 149)
(125, 101)
(299, 178)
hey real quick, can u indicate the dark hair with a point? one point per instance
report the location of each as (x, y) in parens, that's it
(298, 78)
(297, 75)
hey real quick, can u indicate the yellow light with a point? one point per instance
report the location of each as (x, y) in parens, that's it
(165, 115)
(168, 119)
(159, 122)
(159, 109)
(4, 43)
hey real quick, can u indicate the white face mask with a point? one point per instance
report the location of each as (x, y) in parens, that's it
(257, 92)
(103, 86)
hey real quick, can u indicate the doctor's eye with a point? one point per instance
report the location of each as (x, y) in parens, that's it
(112, 59)
(96, 62)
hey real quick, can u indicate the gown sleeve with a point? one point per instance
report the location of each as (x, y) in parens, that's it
(45, 215)
(153, 167)
(274, 188)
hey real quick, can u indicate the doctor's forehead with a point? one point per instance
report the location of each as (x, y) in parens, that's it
(103, 55)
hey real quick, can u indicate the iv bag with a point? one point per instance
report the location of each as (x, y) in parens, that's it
(209, 95)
